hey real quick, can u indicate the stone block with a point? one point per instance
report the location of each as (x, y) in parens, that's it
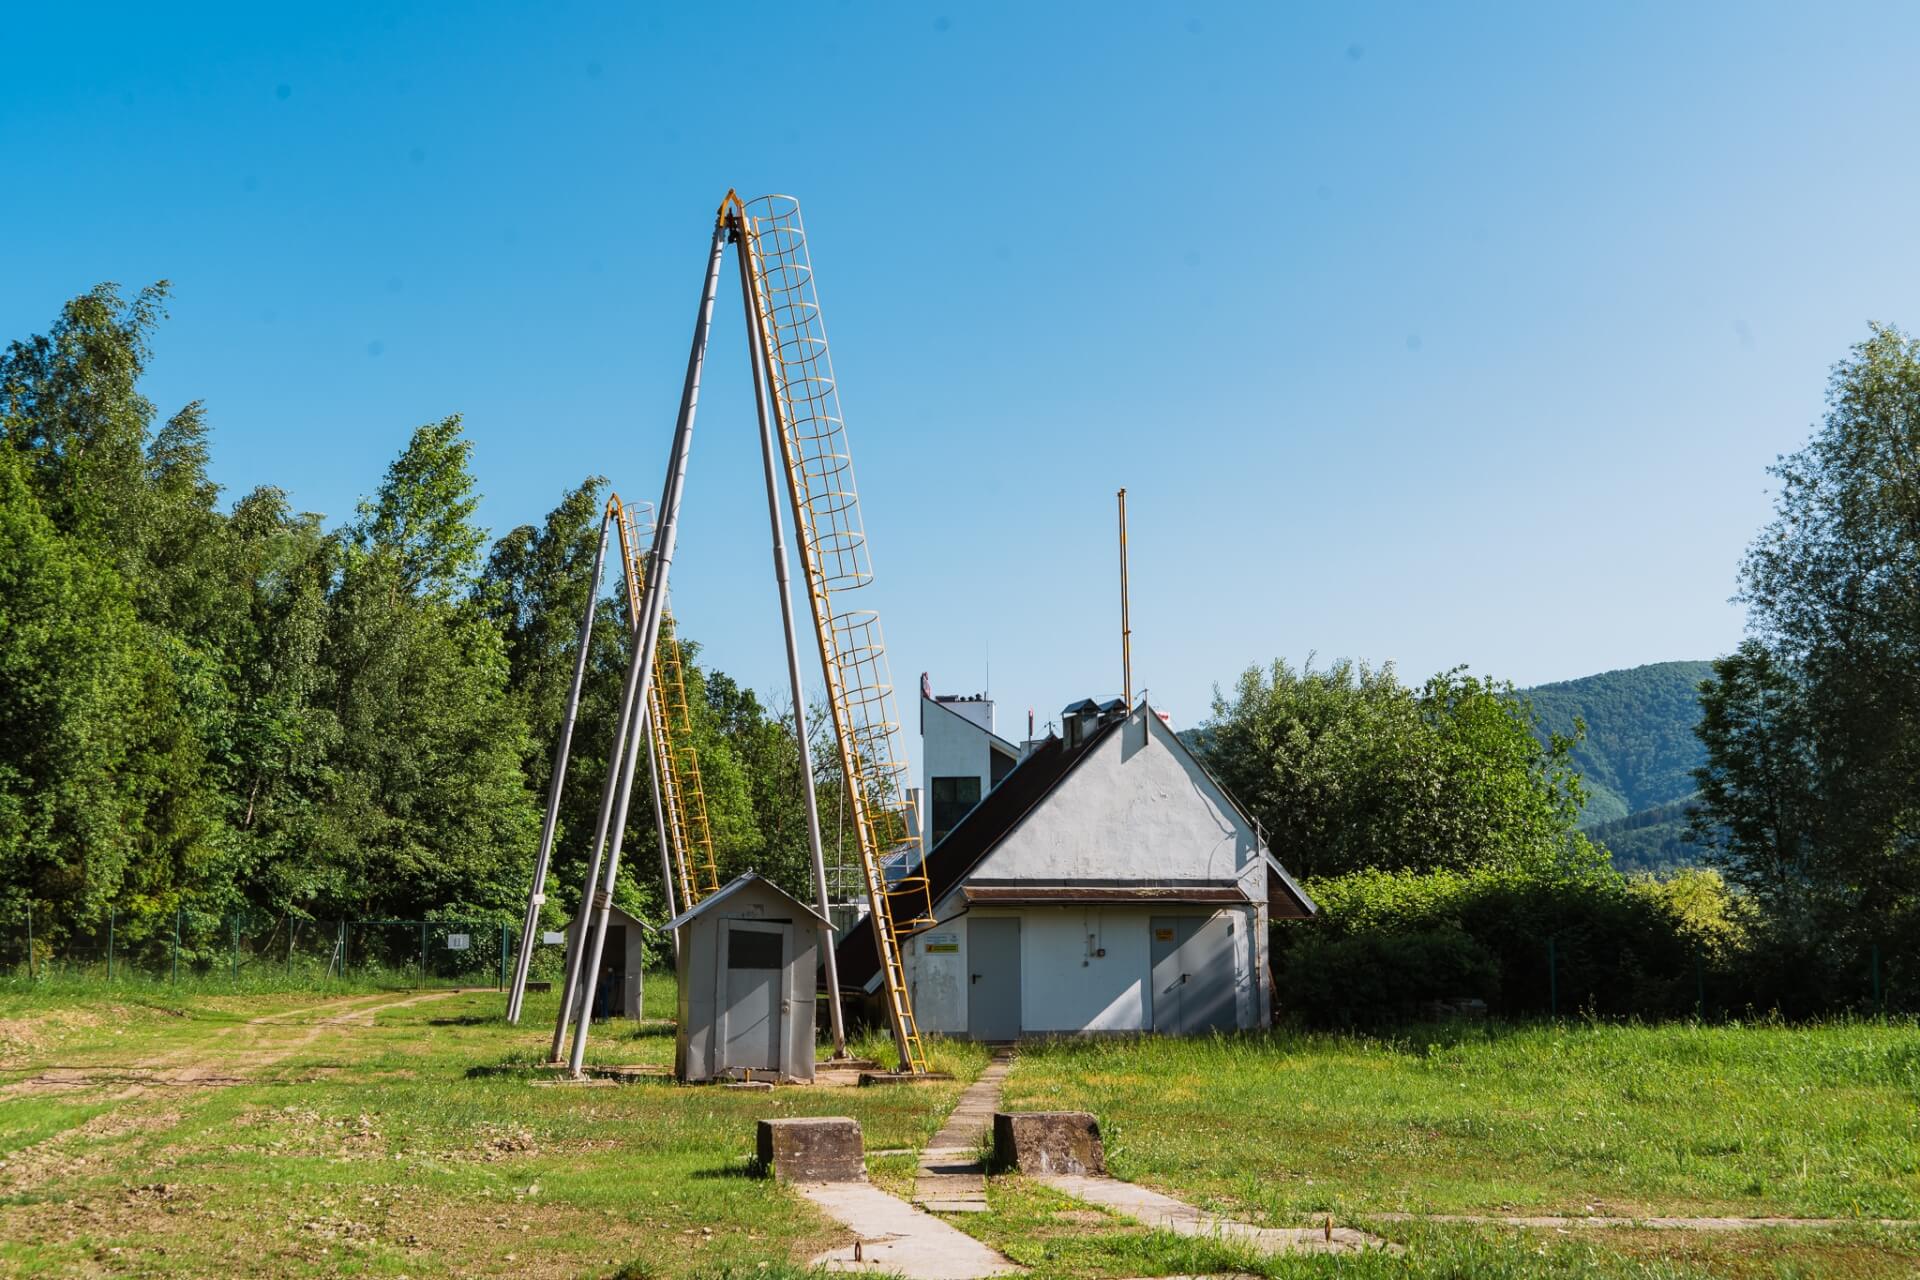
(812, 1149)
(1048, 1142)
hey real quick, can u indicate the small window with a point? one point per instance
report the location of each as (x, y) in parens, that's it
(752, 949)
(952, 797)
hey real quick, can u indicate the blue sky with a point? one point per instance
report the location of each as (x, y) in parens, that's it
(1416, 333)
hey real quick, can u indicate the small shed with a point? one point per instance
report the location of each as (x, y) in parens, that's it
(749, 952)
(617, 994)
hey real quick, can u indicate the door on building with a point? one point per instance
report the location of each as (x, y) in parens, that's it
(752, 969)
(1192, 974)
(993, 980)
(609, 993)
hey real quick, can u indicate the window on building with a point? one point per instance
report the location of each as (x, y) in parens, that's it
(952, 797)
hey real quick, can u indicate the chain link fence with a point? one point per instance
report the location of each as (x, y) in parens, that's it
(250, 950)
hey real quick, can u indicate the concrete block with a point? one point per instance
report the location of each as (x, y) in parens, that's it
(1048, 1142)
(812, 1149)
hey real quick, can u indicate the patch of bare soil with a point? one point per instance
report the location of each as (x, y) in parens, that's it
(61, 1155)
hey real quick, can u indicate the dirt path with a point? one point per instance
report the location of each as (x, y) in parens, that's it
(216, 1062)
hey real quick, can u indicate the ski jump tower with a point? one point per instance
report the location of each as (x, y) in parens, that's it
(809, 477)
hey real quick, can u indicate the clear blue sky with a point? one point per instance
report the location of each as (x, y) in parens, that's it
(1435, 334)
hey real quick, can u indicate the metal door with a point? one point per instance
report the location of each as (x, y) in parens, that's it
(993, 986)
(1169, 981)
(752, 969)
(1193, 974)
(1207, 1000)
(610, 998)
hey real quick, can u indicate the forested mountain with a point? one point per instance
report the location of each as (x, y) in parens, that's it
(1637, 757)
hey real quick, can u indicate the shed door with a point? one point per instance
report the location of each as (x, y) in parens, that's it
(1192, 974)
(752, 967)
(993, 979)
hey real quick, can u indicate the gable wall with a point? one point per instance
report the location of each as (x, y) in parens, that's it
(1140, 808)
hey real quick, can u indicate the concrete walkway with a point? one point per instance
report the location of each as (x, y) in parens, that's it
(952, 1179)
(1152, 1209)
(896, 1238)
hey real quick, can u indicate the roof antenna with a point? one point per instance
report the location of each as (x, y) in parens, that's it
(1126, 631)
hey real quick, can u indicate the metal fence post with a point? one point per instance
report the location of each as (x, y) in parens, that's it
(176, 946)
(233, 952)
(503, 957)
(1553, 980)
(29, 939)
(423, 955)
(109, 944)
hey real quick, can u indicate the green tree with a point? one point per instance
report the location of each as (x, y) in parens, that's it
(1810, 797)
(1346, 768)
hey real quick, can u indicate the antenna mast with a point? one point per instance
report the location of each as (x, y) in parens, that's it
(1126, 630)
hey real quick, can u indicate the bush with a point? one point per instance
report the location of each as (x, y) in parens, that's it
(1384, 939)
(1374, 978)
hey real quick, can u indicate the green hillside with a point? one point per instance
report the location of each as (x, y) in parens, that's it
(1637, 757)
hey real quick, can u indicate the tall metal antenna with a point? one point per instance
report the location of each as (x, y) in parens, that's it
(1126, 630)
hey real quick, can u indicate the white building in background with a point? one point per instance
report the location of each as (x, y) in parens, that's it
(1104, 883)
(961, 758)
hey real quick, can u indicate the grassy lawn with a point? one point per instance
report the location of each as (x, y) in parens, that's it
(191, 1132)
(189, 1138)
(1811, 1122)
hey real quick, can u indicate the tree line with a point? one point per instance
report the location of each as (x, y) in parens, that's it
(219, 710)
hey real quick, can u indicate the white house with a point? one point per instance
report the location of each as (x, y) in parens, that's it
(1106, 884)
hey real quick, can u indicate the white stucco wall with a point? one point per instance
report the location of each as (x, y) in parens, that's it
(952, 745)
(1066, 988)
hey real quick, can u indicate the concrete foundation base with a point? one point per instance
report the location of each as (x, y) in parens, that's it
(812, 1149)
(1048, 1142)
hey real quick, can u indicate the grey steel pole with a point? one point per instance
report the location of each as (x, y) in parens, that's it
(775, 485)
(666, 857)
(615, 754)
(640, 675)
(537, 896)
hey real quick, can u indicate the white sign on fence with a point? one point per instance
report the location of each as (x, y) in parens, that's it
(553, 939)
(458, 942)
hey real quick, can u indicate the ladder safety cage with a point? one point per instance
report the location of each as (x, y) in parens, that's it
(804, 398)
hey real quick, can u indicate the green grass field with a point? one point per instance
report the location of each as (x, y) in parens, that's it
(147, 1131)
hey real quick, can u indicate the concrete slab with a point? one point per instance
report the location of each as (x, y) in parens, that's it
(1151, 1208)
(897, 1238)
(951, 1177)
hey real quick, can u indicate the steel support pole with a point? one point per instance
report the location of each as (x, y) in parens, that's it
(666, 855)
(109, 944)
(776, 485)
(537, 896)
(570, 985)
(654, 604)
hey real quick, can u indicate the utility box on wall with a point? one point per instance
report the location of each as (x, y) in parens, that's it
(748, 955)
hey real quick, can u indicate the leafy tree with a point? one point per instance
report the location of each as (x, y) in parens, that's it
(1346, 768)
(1810, 797)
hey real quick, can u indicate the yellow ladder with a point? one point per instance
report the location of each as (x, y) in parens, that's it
(683, 800)
(833, 551)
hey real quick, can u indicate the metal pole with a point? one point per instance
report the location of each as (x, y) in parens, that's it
(423, 955)
(109, 944)
(655, 604)
(176, 946)
(781, 581)
(233, 954)
(577, 937)
(1126, 629)
(666, 856)
(30, 939)
(537, 896)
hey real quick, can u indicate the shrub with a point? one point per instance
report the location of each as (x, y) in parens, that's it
(1373, 978)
